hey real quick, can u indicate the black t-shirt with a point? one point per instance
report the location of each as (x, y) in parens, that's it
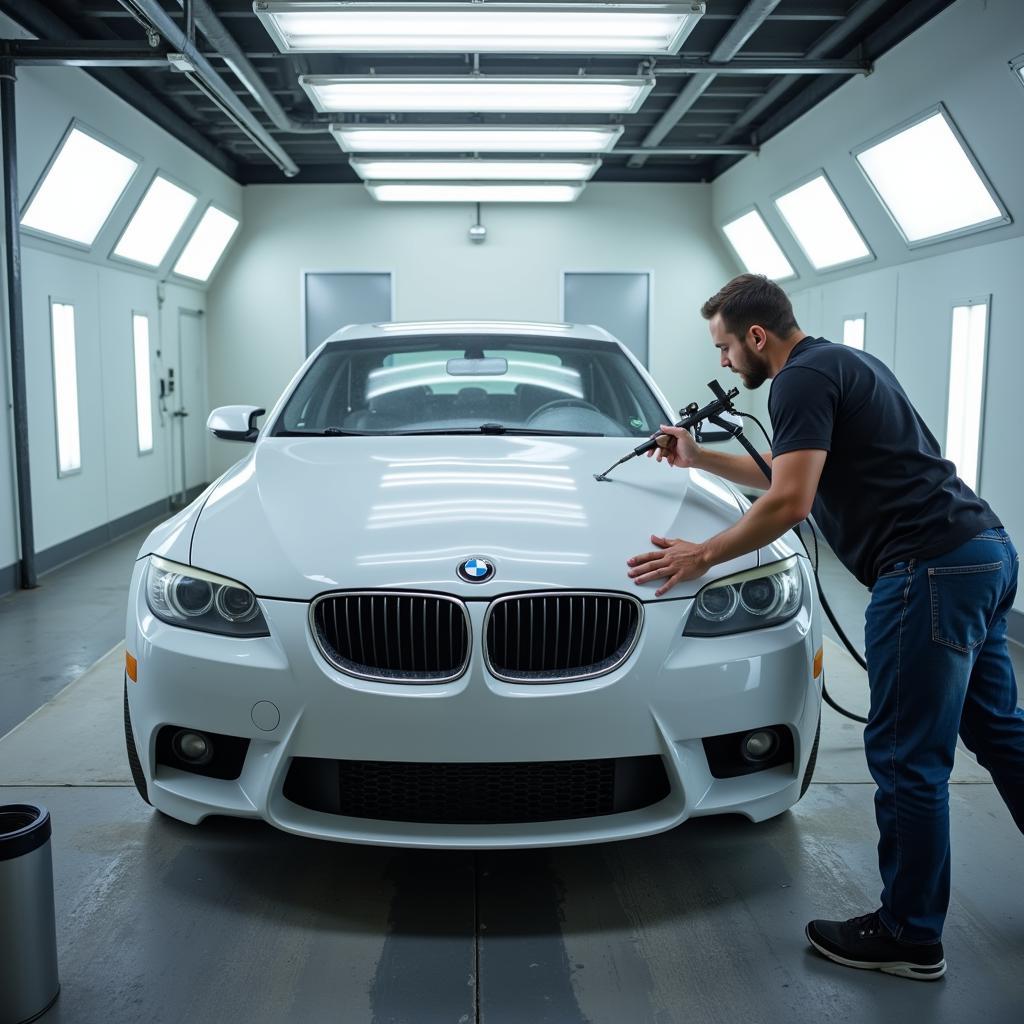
(886, 493)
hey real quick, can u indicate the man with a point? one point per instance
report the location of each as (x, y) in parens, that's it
(849, 446)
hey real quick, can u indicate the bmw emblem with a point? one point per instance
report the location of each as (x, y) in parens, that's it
(476, 570)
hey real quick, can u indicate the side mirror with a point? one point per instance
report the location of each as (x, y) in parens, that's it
(235, 422)
(711, 434)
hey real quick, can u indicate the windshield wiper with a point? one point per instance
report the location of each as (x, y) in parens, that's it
(326, 432)
(498, 428)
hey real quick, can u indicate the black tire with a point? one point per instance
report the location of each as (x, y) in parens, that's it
(809, 771)
(133, 755)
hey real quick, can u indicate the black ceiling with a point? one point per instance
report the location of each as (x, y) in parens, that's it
(743, 109)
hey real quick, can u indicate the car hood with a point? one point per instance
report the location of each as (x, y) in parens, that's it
(300, 516)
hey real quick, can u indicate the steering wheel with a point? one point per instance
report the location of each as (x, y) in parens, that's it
(562, 403)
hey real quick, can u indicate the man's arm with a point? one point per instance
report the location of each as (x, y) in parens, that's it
(678, 448)
(795, 477)
(740, 469)
(787, 502)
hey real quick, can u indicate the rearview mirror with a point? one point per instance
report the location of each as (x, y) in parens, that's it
(235, 422)
(710, 433)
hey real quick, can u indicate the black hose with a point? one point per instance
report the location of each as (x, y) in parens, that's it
(847, 643)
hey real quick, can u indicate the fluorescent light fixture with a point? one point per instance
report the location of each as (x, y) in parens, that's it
(821, 225)
(756, 247)
(853, 332)
(476, 94)
(474, 170)
(653, 29)
(65, 387)
(79, 189)
(155, 223)
(966, 390)
(474, 192)
(928, 181)
(397, 138)
(207, 244)
(143, 388)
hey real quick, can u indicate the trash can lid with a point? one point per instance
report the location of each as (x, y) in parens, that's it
(23, 828)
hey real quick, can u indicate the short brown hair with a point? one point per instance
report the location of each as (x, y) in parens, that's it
(752, 299)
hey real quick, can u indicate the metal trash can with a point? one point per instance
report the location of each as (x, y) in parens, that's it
(28, 935)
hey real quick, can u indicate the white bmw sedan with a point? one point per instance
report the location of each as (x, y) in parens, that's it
(404, 618)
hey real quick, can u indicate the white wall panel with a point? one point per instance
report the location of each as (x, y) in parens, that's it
(134, 480)
(64, 506)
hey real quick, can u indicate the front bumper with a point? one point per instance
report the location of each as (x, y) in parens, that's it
(669, 694)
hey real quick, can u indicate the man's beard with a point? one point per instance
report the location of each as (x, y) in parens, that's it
(756, 374)
(752, 381)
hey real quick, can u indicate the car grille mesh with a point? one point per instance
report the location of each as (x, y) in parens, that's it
(476, 793)
(393, 635)
(560, 636)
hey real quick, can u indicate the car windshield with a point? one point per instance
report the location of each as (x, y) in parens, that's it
(466, 383)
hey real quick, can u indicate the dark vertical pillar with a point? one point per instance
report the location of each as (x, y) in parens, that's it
(12, 216)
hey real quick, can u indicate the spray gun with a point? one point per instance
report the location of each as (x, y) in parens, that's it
(692, 418)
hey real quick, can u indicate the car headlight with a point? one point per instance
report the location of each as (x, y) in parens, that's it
(749, 600)
(194, 599)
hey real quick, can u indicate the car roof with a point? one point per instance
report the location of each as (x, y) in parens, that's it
(589, 332)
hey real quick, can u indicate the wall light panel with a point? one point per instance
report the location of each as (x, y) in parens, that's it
(156, 222)
(756, 247)
(821, 224)
(206, 246)
(929, 182)
(79, 188)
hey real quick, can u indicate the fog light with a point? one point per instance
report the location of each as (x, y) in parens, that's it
(760, 745)
(192, 747)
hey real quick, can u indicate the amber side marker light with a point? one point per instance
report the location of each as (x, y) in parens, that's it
(131, 666)
(819, 657)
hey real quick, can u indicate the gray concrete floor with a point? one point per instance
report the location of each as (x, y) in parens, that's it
(50, 635)
(235, 921)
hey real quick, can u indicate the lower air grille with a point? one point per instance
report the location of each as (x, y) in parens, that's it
(476, 794)
(558, 637)
(393, 635)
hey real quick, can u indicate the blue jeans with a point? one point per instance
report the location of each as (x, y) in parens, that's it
(938, 665)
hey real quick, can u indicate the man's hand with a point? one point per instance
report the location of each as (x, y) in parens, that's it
(676, 447)
(675, 562)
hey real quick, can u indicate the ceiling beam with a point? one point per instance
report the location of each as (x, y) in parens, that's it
(82, 53)
(746, 24)
(760, 66)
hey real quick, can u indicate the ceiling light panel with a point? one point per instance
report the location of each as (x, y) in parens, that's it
(207, 244)
(474, 170)
(476, 94)
(821, 225)
(756, 247)
(475, 139)
(79, 189)
(928, 182)
(647, 28)
(155, 223)
(474, 192)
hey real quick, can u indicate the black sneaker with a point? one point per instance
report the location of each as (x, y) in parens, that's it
(866, 943)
